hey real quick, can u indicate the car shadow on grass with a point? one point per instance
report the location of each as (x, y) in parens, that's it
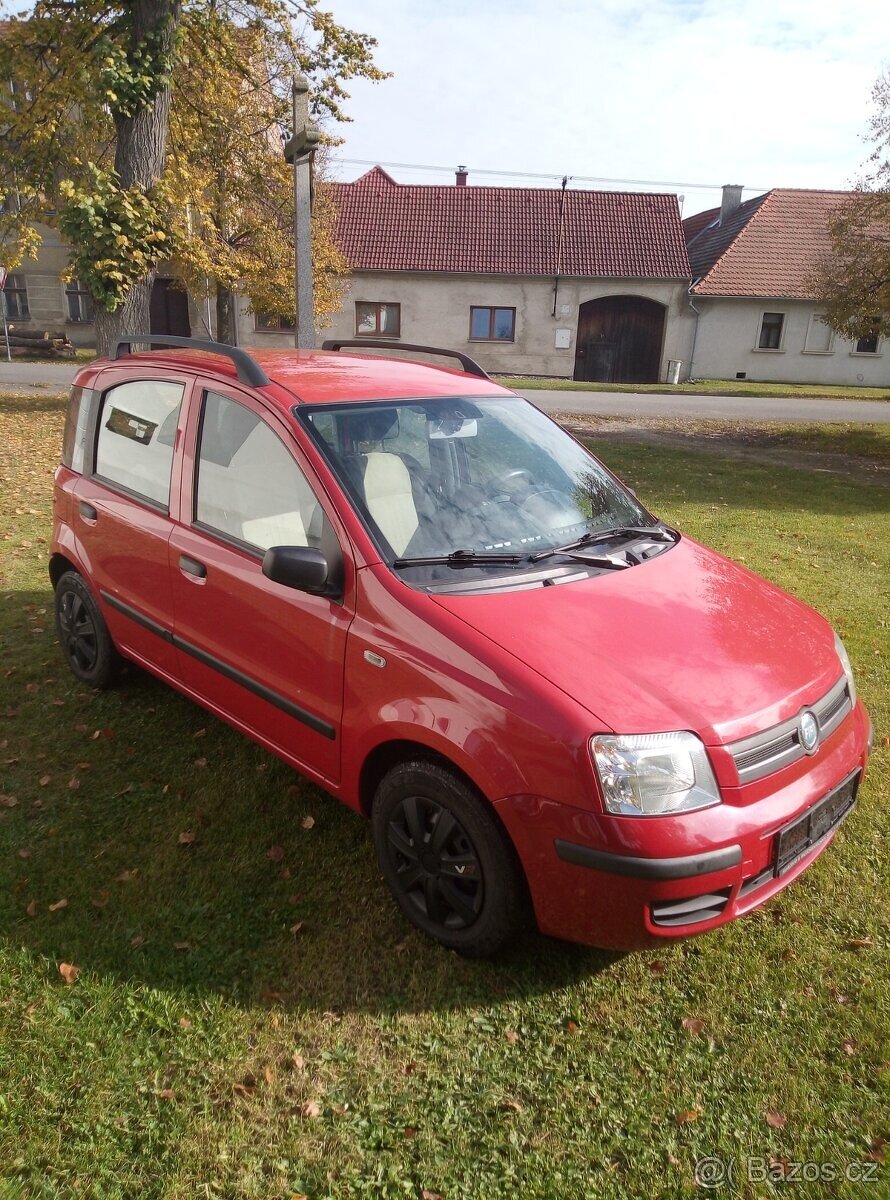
(188, 858)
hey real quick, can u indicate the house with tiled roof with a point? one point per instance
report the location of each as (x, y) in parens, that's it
(530, 281)
(758, 315)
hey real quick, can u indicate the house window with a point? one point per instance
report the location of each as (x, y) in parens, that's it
(492, 324)
(80, 302)
(819, 335)
(15, 297)
(771, 331)
(274, 323)
(868, 345)
(373, 319)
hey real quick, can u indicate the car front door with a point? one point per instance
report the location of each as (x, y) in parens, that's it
(268, 657)
(122, 505)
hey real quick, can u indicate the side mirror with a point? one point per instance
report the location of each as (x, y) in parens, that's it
(301, 567)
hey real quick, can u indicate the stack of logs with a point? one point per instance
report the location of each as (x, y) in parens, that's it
(37, 343)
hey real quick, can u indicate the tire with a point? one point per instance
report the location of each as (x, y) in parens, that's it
(83, 634)
(464, 889)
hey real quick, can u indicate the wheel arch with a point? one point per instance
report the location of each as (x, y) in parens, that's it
(58, 565)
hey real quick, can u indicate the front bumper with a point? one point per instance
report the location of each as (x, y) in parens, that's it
(625, 883)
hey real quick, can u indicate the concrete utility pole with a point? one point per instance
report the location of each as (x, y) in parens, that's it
(299, 150)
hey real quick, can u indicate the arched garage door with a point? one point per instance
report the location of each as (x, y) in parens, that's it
(619, 340)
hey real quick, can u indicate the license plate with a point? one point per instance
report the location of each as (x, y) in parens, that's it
(798, 838)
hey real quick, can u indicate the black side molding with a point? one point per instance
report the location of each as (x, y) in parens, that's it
(687, 867)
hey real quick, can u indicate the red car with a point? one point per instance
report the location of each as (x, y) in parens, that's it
(425, 595)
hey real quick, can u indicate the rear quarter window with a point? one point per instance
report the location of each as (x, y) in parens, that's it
(77, 425)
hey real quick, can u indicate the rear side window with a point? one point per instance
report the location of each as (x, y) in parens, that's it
(137, 433)
(249, 485)
(77, 424)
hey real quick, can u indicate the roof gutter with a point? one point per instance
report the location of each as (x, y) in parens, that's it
(690, 374)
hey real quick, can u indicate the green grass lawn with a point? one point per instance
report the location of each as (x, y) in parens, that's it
(702, 387)
(252, 1018)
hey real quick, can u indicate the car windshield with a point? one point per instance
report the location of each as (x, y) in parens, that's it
(490, 479)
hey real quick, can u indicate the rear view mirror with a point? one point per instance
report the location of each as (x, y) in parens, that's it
(300, 567)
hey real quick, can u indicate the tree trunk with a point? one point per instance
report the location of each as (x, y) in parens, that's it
(139, 161)
(133, 316)
(225, 315)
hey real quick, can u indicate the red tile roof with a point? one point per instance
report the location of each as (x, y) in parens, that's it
(770, 246)
(389, 226)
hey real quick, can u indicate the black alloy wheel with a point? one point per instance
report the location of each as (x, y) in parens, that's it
(447, 859)
(83, 634)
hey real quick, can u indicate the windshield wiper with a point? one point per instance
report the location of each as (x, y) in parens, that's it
(656, 532)
(460, 558)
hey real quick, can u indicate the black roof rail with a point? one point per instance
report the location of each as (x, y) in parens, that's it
(249, 370)
(468, 364)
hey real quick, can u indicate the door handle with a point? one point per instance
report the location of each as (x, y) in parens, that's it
(88, 511)
(191, 566)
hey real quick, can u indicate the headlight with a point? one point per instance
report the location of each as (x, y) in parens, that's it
(653, 774)
(848, 669)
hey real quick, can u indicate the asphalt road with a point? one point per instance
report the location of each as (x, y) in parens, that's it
(58, 377)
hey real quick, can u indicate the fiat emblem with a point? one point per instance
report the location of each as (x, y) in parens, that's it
(809, 732)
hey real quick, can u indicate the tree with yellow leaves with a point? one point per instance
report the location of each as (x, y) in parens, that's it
(148, 130)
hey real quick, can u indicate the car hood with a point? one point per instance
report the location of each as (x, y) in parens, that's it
(685, 640)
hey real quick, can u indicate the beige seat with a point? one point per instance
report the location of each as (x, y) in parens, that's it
(390, 498)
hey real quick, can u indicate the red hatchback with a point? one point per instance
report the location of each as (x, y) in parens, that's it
(421, 592)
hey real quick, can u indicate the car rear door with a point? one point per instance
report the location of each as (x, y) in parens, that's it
(122, 504)
(268, 657)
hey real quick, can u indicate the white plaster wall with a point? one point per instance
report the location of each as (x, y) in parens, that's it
(727, 338)
(435, 311)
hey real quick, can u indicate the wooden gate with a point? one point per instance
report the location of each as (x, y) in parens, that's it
(619, 340)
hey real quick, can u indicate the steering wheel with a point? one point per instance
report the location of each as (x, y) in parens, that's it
(501, 482)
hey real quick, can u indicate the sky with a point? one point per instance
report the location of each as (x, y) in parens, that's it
(764, 93)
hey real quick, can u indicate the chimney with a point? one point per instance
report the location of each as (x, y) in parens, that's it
(460, 177)
(732, 198)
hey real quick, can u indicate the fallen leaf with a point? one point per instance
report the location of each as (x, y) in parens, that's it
(184, 1023)
(45, 779)
(295, 929)
(8, 801)
(850, 1046)
(100, 900)
(511, 1035)
(243, 1089)
(166, 1094)
(308, 822)
(24, 853)
(199, 733)
(136, 941)
(693, 1025)
(269, 1075)
(409, 1132)
(68, 972)
(571, 1026)
(200, 762)
(298, 1061)
(186, 838)
(182, 945)
(127, 876)
(310, 1109)
(684, 1118)
(859, 943)
(285, 872)
(400, 947)
(775, 1120)
(58, 904)
(876, 1150)
(37, 804)
(657, 967)
(31, 910)
(74, 783)
(275, 854)
(426, 1194)
(511, 1105)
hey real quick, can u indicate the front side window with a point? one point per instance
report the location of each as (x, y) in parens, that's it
(771, 331)
(15, 297)
(250, 488)
(373, 319)
(137, 433)
(492, 324)
(80, 302)
(435, 477)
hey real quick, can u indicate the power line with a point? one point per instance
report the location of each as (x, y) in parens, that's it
(716, 187)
